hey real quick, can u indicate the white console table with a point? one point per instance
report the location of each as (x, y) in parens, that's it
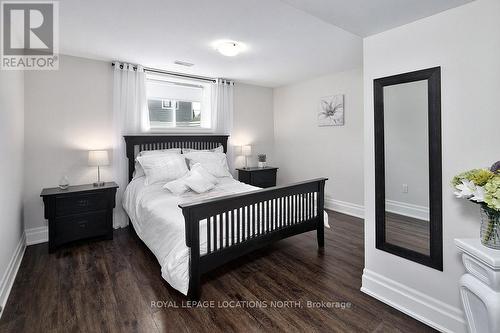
(480, 286)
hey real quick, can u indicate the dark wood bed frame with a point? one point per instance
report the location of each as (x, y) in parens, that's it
(285, 211)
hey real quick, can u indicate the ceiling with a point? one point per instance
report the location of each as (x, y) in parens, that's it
(285, 43)
(368, 17)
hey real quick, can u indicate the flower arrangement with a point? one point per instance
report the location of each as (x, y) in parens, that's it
(482, 186)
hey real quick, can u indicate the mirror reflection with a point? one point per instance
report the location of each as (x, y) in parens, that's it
(406, 145)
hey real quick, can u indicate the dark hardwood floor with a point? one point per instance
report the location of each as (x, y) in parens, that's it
(408, 232)
(108, 286)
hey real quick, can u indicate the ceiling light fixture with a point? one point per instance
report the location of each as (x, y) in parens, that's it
(229, 48)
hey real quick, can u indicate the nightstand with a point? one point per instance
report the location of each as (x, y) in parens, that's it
(79, 212)
(260, 177)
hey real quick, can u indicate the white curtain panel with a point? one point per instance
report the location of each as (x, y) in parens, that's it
(222, 104)
(222, 107)
(130, 116)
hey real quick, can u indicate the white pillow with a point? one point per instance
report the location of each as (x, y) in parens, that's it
(160, 152)
(162, 168)
(198, 183)
(197, 167)
(177, 186)
(219, 149)
(214, 163)
(139, 171)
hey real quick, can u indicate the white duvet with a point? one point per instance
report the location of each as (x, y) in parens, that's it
(159, 223)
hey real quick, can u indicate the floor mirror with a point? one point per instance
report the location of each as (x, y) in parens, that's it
(408, 176)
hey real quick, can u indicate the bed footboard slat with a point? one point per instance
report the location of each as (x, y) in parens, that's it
(209, 238)
(296, 210)
(226, 222)
(247, 222)
(289, 211)
(266, 217)
(259, 218)
(281, 212)
(233, 231)
(221, 231)
(254, 212)
(238, 227)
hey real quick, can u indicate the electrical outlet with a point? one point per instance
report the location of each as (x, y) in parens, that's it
(405, 188)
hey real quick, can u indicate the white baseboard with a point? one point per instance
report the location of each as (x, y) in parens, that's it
(10, 274)
(37, 235)
(422, 307)
(406, 209)
(345, 207)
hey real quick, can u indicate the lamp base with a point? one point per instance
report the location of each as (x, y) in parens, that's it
(98, 184)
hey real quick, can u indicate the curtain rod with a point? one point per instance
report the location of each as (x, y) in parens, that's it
(159, 71)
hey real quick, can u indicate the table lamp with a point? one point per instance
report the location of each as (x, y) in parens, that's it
(98, 158)
(246, 151)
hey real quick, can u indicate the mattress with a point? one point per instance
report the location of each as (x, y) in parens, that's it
(159, 223)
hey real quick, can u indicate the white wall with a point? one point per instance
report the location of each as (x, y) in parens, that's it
(305, 151)
(11, 180)
(253, 122)
(464, 41)
(69, 111)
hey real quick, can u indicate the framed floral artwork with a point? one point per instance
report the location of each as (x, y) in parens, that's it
(331, 111)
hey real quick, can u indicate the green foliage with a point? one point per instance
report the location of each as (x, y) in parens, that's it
(478, 176)
(492, 192)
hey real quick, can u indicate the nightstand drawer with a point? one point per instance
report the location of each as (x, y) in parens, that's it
(264, 178)
(264, 184)
(80, 203)
(81, 226)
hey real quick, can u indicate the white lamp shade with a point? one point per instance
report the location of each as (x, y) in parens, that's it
(237, 150)
(98, 158)
(246, 150)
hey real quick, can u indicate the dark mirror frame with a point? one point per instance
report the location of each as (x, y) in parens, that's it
(433, 76)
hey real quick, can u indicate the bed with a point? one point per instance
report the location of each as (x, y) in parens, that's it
(191, 234)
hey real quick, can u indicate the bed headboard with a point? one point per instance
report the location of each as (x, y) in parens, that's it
(138, 143)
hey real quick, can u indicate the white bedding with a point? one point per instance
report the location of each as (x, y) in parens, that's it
(159, 223)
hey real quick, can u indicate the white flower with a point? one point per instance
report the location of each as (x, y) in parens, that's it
(469, 190)
(478, 194)
(465, 190)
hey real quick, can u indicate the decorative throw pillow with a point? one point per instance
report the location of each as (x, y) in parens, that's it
(197, 167)
(163, 168)
(198, 183)
(177, 186)
(214, 163)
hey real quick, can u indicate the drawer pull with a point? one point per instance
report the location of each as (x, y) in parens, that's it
(83, 224)
(83, 203)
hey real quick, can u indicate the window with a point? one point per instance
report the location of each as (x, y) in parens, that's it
(178, 103)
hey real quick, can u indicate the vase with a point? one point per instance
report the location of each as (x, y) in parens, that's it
(64, 183)
(490, 228)
(262, 164)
